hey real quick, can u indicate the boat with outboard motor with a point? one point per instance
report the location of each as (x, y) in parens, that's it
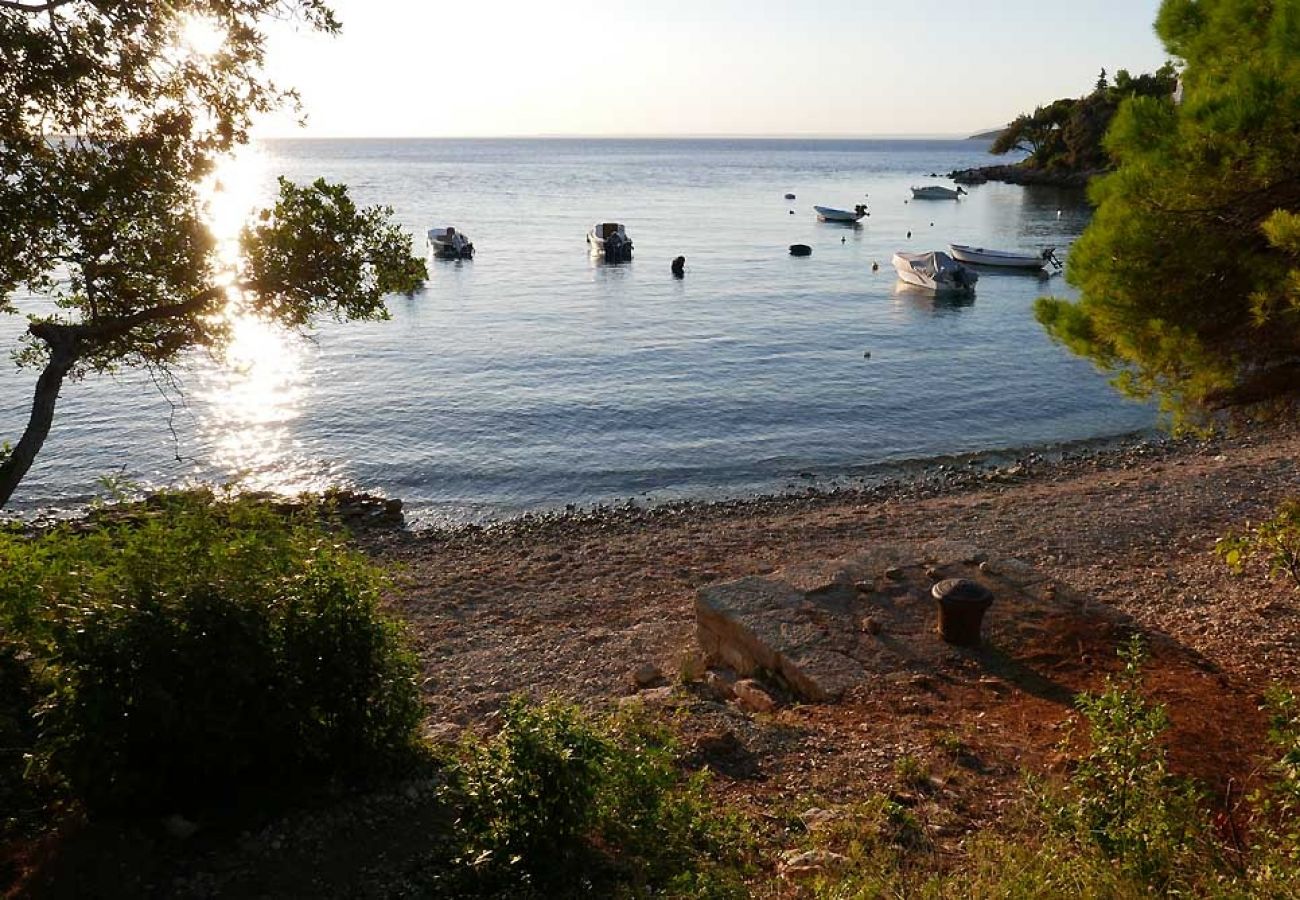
(831, 214)
(1005, 259)
(609, 239)
(448, 243)
(935, 271)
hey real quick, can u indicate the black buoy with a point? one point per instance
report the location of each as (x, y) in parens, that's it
(679, 267)
(789, 196)
(800, 250)
(875, 267)
(792, 212)
(909, 234)
(843, 239)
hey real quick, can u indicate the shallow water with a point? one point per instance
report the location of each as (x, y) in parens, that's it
(535, 376)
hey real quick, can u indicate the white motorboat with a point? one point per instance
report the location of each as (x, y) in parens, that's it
(448, 243)
(935, 271)
(1005, 259)
(609, 239)
(831, 214)
(936, 192)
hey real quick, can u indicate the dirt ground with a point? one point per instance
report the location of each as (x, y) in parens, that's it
(571, 604)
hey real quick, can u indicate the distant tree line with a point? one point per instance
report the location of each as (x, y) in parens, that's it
(1067, 135)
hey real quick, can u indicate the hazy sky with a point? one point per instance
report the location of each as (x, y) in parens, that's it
(672, 67)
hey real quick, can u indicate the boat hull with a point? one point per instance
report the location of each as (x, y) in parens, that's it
(829, 214)
(997, 259)
(936, 193)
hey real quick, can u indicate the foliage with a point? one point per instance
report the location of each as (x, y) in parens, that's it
(111, 125)
(557, 799)
(201, 648)
(1122, 797)
(1276, 541)
(1189, 274)
(17, 737)
(1067, 134)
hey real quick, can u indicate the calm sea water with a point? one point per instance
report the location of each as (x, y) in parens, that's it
(535, 376)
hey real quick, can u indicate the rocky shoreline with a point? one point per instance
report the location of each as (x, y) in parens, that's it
(1021, 174)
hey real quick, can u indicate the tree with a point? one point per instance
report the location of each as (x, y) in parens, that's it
(110, 120)
(1189, 274)
(1068, 134)
(1038, 134)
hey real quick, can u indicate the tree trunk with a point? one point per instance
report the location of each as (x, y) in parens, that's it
(63, 353)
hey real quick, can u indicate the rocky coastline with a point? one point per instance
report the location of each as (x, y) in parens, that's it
(1026, 175)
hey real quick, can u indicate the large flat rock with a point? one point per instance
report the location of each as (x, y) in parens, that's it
(824, 627)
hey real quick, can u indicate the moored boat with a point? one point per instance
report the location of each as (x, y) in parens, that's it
(448, 243)
(609, 239)
(935, 271)
(936, 192)
(831, 214)
(1005, 259)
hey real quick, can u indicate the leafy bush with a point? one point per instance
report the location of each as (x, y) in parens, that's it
(1276, 541)
(17, 734)
(560, 800)
(200, 647)
(1122, 796)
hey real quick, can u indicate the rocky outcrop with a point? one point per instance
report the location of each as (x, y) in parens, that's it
(820, 629)
(1021, 174)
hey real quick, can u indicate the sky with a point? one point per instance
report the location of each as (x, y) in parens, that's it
(488, 68)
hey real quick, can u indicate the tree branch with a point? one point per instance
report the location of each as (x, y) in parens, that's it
(55, 332)
(21, 6)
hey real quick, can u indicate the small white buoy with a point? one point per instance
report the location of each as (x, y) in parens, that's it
(1058, 214)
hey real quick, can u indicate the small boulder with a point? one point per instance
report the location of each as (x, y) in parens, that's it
(644, 676)
(753, 696)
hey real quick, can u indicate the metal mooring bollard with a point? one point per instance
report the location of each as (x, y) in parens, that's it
(962, 604)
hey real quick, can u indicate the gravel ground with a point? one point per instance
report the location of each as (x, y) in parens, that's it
(570, 603)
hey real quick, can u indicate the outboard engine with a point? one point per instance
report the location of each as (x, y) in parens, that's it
(618, 247)
(467, 250)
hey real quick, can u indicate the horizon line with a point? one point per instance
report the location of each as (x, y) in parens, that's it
(802, 136)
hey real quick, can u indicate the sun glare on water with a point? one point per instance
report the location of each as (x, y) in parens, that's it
(254, 390)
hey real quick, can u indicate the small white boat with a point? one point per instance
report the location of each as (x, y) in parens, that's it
(609, 239)
(935, 271)
(1005, 259)
(831, 214)
(936, 192)
(448, 243)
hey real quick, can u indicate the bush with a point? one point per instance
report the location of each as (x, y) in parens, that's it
(1276, 541)
(559, 800)
(17, 735)
(1122, 797)
(202, 647)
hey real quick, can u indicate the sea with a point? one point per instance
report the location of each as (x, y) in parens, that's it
(536, 377)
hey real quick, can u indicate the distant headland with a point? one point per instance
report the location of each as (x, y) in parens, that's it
(1064, 138)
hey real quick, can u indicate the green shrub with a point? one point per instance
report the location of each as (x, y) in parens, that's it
(1122, 797)
(1276, 542)
(560, 800)
(17, 735)
(202, 647)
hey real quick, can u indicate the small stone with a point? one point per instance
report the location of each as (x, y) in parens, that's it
(894, 573)
(871, 626)
(810, 863)
(932, 573)
(816, 818)
(718, 743)
(719, 685)
(751, 695)
(179, 827)
(644, 676)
